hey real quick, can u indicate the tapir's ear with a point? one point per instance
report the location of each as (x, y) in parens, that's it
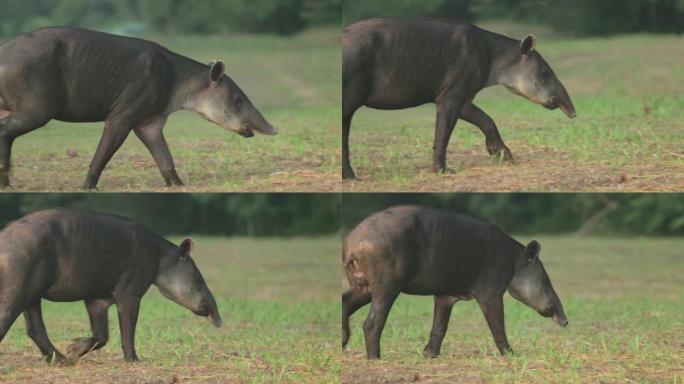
(185, 247)
(527, 45)
(216, 70)
(532, 250)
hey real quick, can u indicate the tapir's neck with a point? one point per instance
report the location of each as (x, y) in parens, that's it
(190, 78)
(503, 50)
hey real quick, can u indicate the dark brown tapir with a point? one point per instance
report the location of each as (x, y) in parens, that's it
(390, 63)
(423, 251)
(76, 75)
(68, 255)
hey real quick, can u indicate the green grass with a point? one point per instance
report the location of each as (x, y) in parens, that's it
(294, 82)
(623, 299)
(627, 135)
(279, 306)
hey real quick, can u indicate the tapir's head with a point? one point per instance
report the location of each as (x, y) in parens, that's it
(181, 281)
(223, 102)
(532, 286)
(527, 74)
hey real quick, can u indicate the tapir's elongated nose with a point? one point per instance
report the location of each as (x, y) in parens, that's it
(564, 103)
(213, 315)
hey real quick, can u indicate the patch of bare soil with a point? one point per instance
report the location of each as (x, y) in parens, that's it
(538, 170)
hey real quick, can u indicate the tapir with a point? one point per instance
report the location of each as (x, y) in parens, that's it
(424, 251)
(70, 255)
(395, 63)
(77, 75)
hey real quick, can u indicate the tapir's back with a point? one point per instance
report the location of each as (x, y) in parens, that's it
(85, 70)
(78, 251)
(430, 250)
(410, 61)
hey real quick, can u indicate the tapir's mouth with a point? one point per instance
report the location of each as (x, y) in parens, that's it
(246, 132)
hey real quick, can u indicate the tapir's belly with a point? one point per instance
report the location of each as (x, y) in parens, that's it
(78, 288)
(79, 278)
(441, 273)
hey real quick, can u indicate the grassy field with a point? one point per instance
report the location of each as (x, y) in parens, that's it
(294, 82)
(279, 302)
(627, 136)
(623, 298)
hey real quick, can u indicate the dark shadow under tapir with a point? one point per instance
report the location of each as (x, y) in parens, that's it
(67, 255)
(422, 251)
(401, 63)
(75, 75)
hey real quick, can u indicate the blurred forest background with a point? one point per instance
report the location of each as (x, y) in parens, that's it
(643, 214)
(169, 16)
(242, 214)
(291, 214)
(568, 17)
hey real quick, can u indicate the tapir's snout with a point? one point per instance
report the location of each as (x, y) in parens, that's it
(556, 312)
(266, 129)
(209, 310)
(560, 320)
(565, 104)
(216, 320)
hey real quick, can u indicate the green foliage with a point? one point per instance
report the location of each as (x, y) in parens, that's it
(179, 16)
(577, 17)
(521, 213)
(224, 214)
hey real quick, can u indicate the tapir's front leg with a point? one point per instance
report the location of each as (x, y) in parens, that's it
(152, 136)
(493, 310)
(495, 145)
(447, 114)
(115, 132)
(128, 318)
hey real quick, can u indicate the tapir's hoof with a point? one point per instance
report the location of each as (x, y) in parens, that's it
(442, 170)
(348, 175)
(430, 354)
(501, 154)
(4, 182)
(80, 347)
(59, 359)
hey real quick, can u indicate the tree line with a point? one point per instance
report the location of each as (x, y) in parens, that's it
(170, 16)
(318, 214)
(249, 214)
(530, 213)
(571, 17)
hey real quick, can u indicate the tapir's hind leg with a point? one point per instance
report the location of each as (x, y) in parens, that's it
(495, 145)
(99, 324)
(377, 317)
(352, 300)
(35, 328)
(8, 314)
(13, 125)
(440, 322)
